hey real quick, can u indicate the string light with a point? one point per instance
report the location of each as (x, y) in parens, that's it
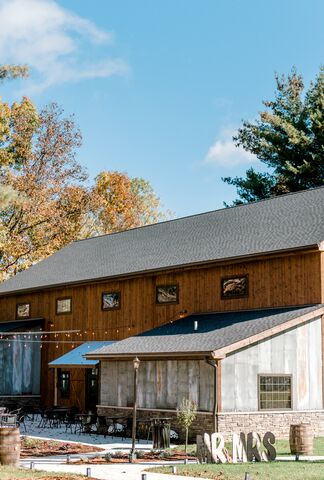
(44, 337)
(55, 332)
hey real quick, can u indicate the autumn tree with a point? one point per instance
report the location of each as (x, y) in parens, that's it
(120, 202)
(45, 202)
(37, 160)
(9, 72)
(288, 138)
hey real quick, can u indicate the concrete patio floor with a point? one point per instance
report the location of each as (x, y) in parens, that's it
(104, 472)
(59, 433)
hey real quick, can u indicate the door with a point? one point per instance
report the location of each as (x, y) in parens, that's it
(92, 389)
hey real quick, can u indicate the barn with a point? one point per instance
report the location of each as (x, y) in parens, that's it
(224, 308)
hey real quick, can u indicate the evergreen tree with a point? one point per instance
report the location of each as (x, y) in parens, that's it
(288, 138)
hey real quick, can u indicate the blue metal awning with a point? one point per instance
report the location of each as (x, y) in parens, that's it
(75, 358)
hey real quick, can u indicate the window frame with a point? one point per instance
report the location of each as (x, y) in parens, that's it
(60, 373)
(287, 375)
(19, 305)
(56, 305)
(229, 277)
(109, 309)
(175, 302)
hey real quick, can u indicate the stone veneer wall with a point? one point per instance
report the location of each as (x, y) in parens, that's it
(230, 422)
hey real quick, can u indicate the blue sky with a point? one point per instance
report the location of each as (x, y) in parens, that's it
(158, 87)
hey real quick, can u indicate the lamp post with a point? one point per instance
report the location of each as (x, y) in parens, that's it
(136, 363)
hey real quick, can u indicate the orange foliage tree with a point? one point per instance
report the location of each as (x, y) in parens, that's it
(120, 202)
(45, 202)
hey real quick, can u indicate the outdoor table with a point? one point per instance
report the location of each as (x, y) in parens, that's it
(8, 420)
(86, 421)
(114, 421)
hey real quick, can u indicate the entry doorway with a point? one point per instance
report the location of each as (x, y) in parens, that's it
(92, 389)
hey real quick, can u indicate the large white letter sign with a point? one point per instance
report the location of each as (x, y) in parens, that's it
(253, 447)
(268, 442)
(239, 448)
(217, 441)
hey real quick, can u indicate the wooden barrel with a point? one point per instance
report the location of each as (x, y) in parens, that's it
(301, 439)
(9, 446)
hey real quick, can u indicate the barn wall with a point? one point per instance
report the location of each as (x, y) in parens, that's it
(296, 352)
(285, 280)
(161, 384)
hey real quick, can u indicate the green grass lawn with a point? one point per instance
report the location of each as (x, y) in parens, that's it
(258, 471)
(11, 473)
(282, 447)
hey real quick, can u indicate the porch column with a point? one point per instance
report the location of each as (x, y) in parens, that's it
(55, 386)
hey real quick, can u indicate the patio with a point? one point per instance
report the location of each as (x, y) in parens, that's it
(59, 432)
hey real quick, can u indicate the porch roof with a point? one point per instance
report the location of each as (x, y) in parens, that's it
(76, 357)
(217, 335)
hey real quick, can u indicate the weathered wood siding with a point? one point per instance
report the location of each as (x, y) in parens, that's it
(293, 279)
(296, 352)
(161, 384)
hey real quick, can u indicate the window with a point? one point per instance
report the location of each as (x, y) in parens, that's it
(110, 300)
(23, 310)
(234, 286)
(275, 392)
(64, 384)
(167, 294)
(63, 305)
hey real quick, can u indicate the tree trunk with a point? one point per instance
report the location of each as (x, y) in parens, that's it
(186, 442)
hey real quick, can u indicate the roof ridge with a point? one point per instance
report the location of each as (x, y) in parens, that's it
(274, 197)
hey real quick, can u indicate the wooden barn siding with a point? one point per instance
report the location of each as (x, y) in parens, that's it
(161, 384)
(296, 352)
(283, 280)
(76, 397)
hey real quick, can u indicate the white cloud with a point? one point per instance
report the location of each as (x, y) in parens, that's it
(224, 153)
(57, 44)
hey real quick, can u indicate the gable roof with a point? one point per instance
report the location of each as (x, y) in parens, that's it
(286, 222)
(217, 334)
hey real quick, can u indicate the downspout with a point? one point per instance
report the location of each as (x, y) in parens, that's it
(214, 364)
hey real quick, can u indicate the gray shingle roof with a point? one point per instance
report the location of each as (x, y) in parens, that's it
(286, 222)
(215, 331)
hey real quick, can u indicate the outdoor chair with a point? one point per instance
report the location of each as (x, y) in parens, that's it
(43, 419)
(21, 421)
(88, 422)
(102, 427)
(71, 420)
(48, 419)
(15, 411)
(30, 412)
